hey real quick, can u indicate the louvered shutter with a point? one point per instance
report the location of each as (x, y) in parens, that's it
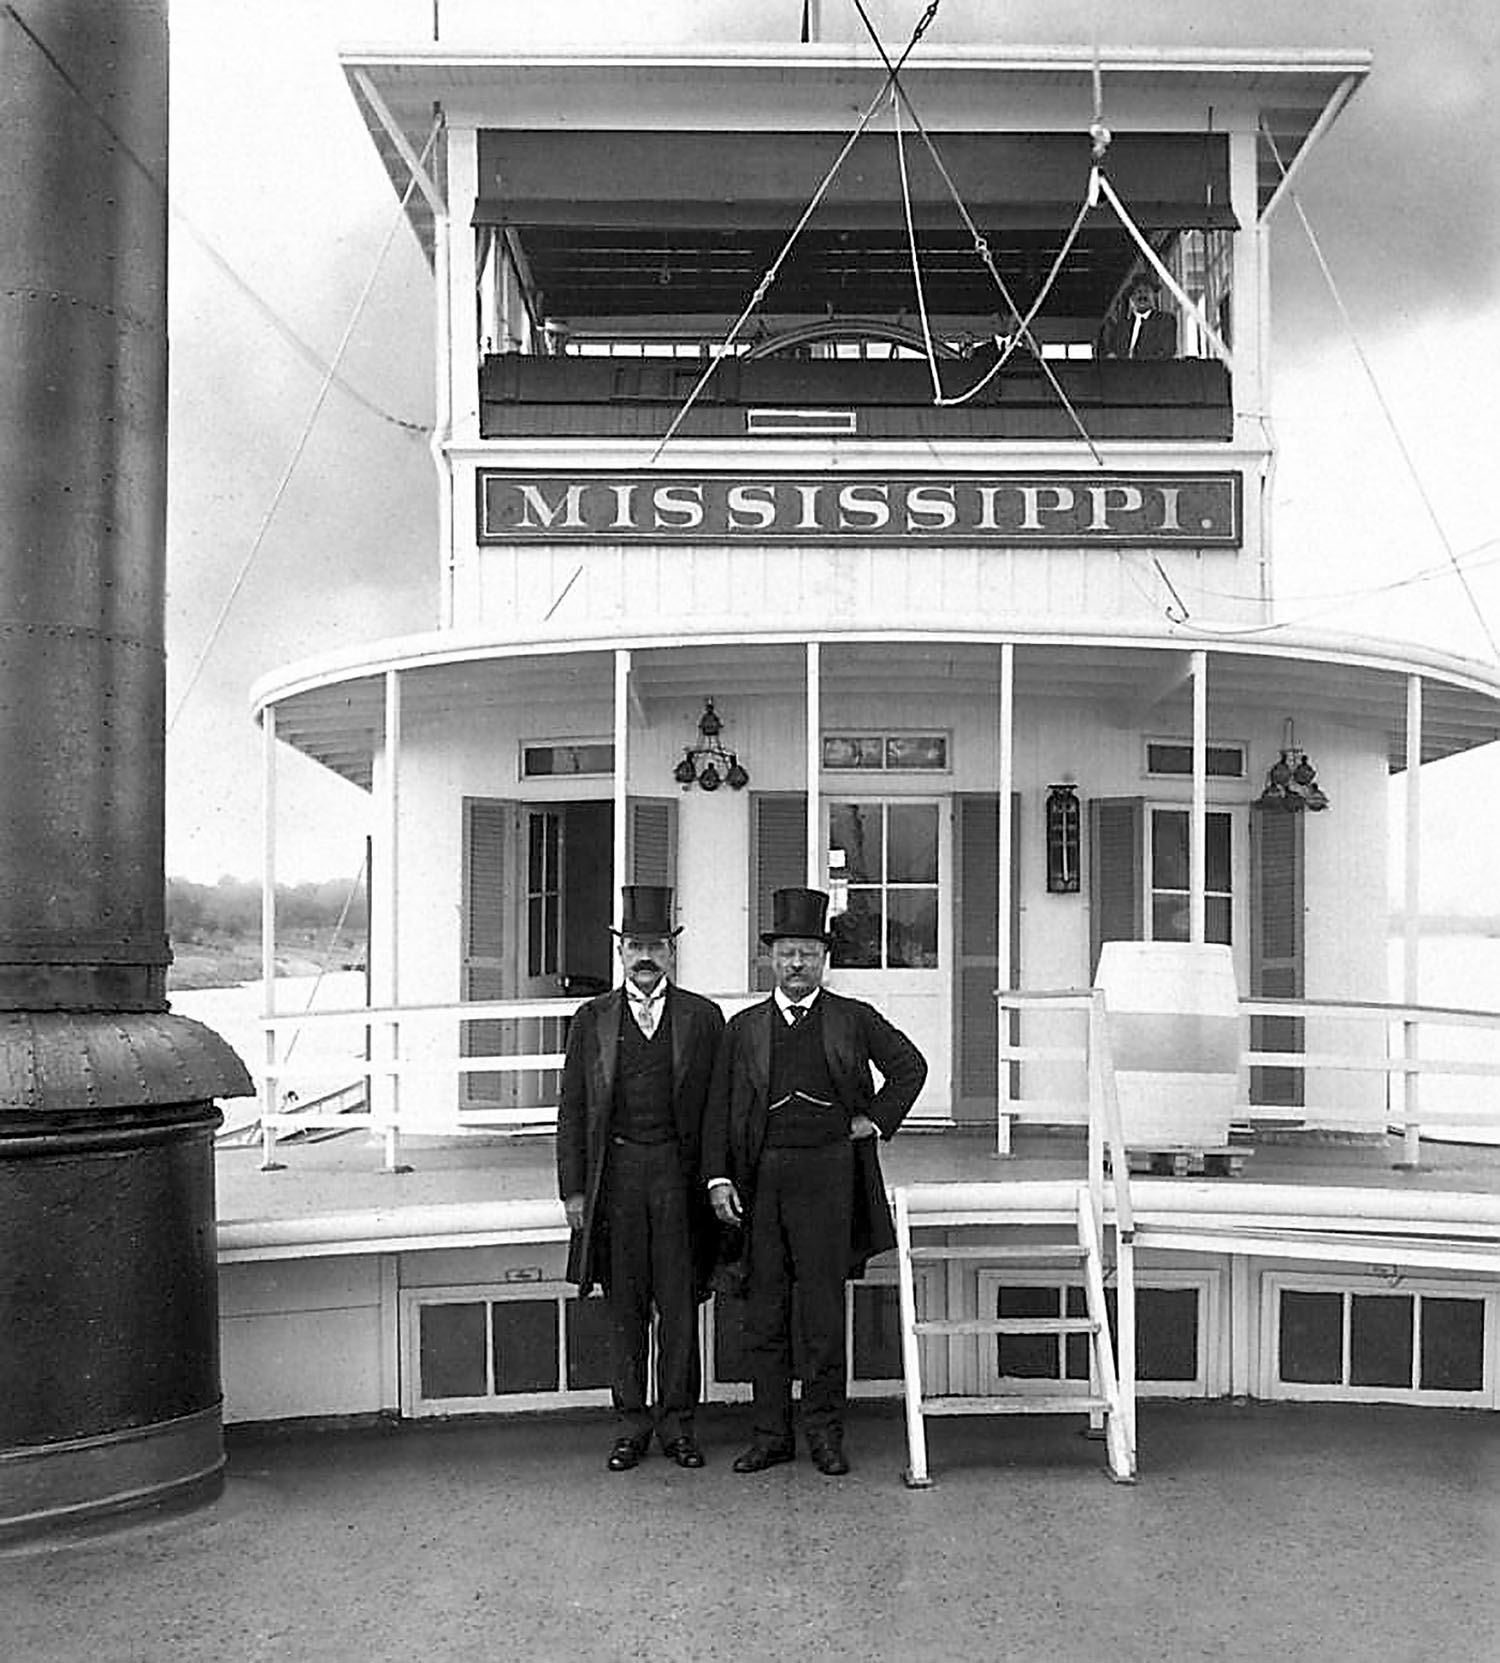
(486, 842)
(1116, 876)
(651, 840)
(778, 860)
(977, 888)
(1277, 949)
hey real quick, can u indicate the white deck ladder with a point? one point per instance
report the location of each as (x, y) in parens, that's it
(1036, 1209)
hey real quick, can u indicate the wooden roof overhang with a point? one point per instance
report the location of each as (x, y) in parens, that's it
(557, 132)
(332, 708)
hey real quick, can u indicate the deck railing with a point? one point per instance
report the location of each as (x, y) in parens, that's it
(395, 1047)
(1403, 1051)
(393, 1050)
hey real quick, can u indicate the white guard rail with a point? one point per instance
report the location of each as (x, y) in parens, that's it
(391, 1049)
(1404, 1050)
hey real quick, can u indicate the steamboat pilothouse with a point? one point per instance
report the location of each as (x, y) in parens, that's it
(853, 470)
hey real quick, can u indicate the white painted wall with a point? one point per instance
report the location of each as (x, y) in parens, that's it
(641, 586)
(302, 1337)
(475, 753)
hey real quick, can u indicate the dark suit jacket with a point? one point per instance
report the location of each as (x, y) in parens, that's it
(1157, 339)
(586, 1108)
(854, 1036)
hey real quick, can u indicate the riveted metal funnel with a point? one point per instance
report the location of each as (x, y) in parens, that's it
(109, 1381)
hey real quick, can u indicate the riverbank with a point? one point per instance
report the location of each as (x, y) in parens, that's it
(223, 960)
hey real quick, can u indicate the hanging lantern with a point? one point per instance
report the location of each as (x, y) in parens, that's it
(707, 764)
(1063, 823)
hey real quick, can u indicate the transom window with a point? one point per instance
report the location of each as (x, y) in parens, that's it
(563, 761)
(885, 752)
(884, 857)
(1174, 757)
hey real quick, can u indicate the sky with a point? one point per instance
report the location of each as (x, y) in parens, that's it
(302, 515)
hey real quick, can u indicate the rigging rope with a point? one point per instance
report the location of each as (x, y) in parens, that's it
(302, 439)
(361, 877)
(981, 245)
(277, 322)
(1099, 182)
(916, 260)
(1380, 398)
(773, 270)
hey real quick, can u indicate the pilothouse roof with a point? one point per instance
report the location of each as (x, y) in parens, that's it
(697, 118)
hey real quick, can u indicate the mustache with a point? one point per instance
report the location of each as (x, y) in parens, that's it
(645, 964)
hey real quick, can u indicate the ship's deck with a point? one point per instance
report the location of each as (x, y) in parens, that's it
(1293, 1531)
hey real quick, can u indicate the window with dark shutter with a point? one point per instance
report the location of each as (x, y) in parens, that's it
(651, 840)
(1116, 873)
(1277, 950)
(483, 973)
(778, 860)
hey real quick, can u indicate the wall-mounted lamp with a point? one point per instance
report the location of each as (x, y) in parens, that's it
(1292, 781)
(1063, 830)
(707, 763)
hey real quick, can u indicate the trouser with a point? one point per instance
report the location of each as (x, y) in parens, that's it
(651, 1264)
(799, 1233)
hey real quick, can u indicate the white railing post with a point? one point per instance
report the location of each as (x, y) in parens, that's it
(620, 784)
(393, 914)
(1198, 821)
(1096, 1087)
(268, 1161)
(911, 1369)
(1005, 899)
(1411, 1128)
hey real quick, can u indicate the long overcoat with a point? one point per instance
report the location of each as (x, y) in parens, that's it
(586, 1108)
(854, 1036)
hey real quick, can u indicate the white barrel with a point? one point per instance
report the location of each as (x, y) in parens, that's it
(1174, 1030)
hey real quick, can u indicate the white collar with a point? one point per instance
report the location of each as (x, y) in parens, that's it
(634, 994)
(783, 1004)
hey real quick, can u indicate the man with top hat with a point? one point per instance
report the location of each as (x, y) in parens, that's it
(789, 1139)
(635, 1079)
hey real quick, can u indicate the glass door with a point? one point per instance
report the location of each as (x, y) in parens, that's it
(888, 875)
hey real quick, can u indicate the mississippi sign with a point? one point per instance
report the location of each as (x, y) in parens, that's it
(1108, 509)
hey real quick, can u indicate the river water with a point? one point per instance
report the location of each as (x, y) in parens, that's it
(235, 1012)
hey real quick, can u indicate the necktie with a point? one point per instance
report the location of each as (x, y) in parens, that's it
(645, 1016)
(795, 1013)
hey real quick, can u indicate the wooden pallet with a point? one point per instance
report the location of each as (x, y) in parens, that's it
(1188, 1163)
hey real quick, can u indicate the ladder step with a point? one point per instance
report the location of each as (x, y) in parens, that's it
(1008, 1325)
(999, 1253)
(1014, 1403)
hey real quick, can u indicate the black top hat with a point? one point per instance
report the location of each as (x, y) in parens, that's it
(647, 911)
(799, 913)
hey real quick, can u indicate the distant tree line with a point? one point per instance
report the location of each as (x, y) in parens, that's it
(196, 911)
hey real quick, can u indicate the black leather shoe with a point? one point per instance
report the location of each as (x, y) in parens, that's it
(828, 1455)
(624, 1454)
(684, 1451)
(759, 1456)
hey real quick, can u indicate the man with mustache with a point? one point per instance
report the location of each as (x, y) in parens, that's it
(1142, 330)
(635, 1077)
(789, 1156)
